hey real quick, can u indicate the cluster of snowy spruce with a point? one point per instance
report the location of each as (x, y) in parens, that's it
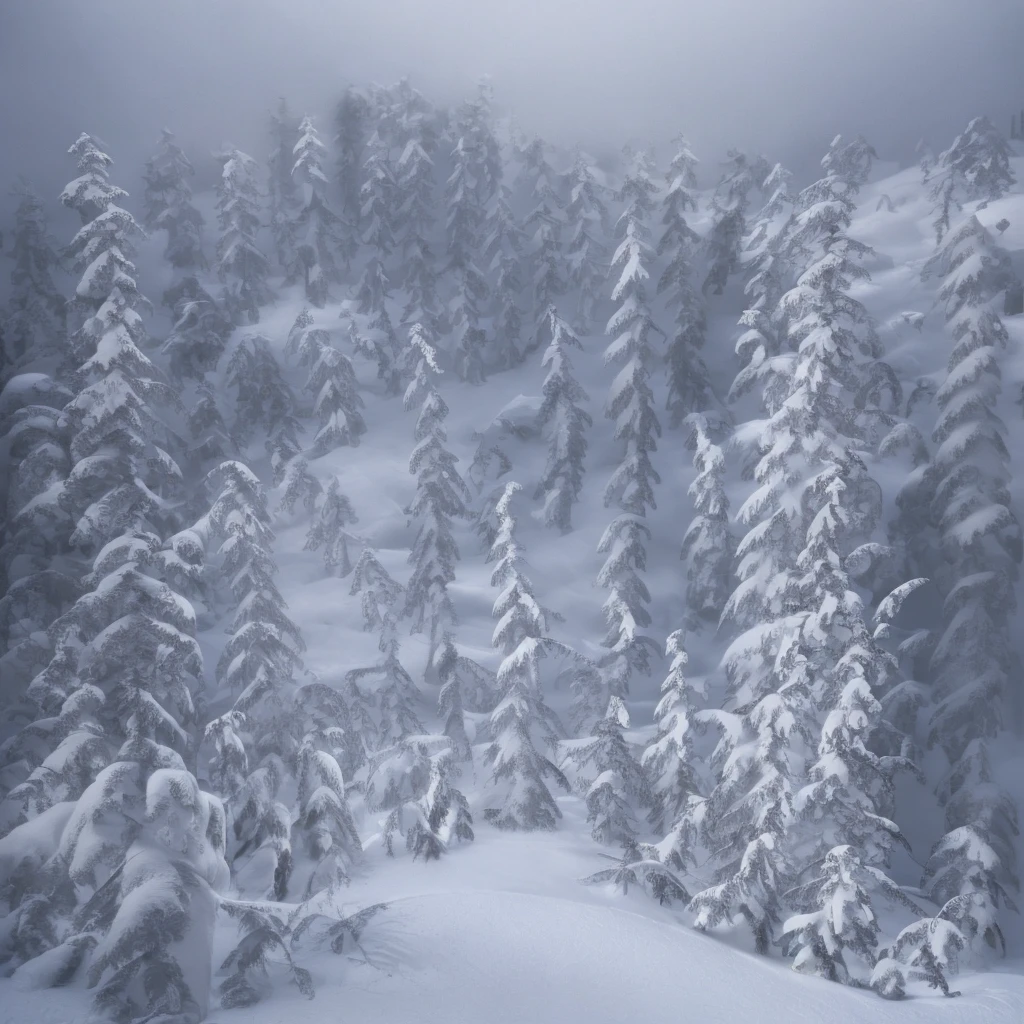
(138, 785)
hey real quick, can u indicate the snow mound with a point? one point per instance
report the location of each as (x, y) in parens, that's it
(513, 958)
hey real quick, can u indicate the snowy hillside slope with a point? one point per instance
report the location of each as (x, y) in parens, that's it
(501, 929)
(375, 477)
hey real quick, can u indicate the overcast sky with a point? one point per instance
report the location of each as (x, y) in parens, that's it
(778, 76)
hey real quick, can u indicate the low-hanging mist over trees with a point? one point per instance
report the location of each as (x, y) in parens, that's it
(453, 484)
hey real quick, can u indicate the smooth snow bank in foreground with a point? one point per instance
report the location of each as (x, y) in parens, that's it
(526, 959)
(520, 958)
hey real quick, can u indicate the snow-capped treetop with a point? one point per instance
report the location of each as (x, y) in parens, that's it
(169, 207)
(979, 162)
(91, 192)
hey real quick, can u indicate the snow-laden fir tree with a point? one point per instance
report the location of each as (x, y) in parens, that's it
(763, 347)
(521, 717)
(927, 950)
(729, 206)
(102, 249)
(199, 333)
(328, 530)
(32, 324)
(801, 635)
(415, 219)
(379, 198)
(91, 193)
(631, 406)
(441, 496)
(262, 397)
(37, 581)
(383, 698)
(850, 161)
(124, 666)
(973, 662)
(586, 255)
(283, 199)
(768, 224)
(670, 761)
(351, 131)
(839, 941)
(708, 544)
(169, 206)
(620, 785)
(324, 836)
(565, 424)
(688, 387)
(256, 668)
(451, 669)
(241, 265)
(503, 253)
(544, 222)
(464, 227)
(332, 383)
(413, 782)
(975, 168)
(317, 228)
(474, 125)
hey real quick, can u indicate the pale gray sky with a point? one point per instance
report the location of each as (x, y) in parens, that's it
(780, 76)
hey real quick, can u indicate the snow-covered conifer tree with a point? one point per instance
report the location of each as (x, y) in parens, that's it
(283, 200)
(157, 916)
(328, 530)
(670, 760)
(620, 785)
(545, 220)
(519, 769)
(441, 495)
(350, 122)
(802, 638)
(379, 196)
(975, 168)
(565, 424)
(450, 669)
(256, 666)
(850, 161)
(316, 225)
(464, 226)
(412, 780)
(839, 941)
(241, 265)
(37, 583)
(323, 833)
(124, 665)
(729, 206)
(385, 686)
(631, 406)
(415, 220)
(708, 545)
(169, 206)
(200, 331)
(973, 661)
(262, 396)
(332, 383)
(32, 327)
(585, 252)
(689, 388)
(503, 248)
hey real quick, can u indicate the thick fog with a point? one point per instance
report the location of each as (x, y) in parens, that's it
(780, 76)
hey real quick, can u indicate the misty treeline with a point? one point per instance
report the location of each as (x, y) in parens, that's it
(145, 788)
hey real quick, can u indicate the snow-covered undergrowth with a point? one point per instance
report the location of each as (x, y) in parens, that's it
(246, 668)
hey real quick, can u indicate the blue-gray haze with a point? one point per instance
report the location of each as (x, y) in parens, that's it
(780, 76)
